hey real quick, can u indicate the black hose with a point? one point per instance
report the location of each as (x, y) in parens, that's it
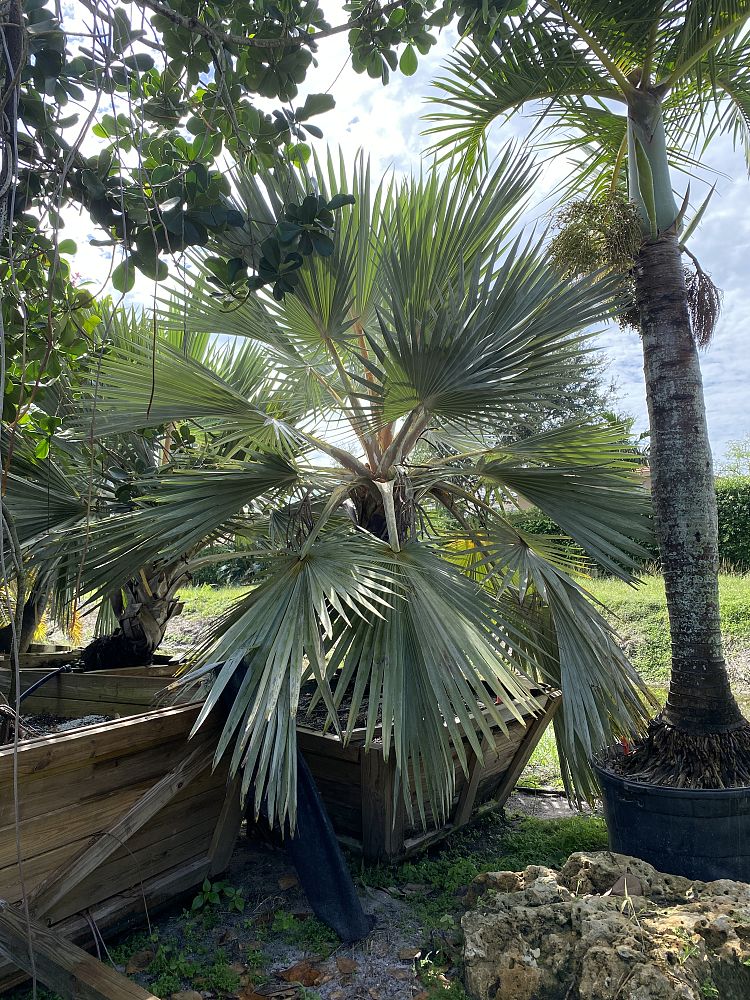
(64, 669)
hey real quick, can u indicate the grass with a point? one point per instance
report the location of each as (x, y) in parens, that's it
(638, 613)
(640, 616)
(209, 602)
(492, 844)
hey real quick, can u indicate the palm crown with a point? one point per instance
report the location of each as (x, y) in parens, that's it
(357, 460)
(680, 68)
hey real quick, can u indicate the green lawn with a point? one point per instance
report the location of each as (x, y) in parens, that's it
(639, 615)
(209, 602)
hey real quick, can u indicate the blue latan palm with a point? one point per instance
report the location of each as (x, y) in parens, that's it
(388, 570)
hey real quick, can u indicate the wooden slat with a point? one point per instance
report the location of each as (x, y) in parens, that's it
(43, 794)
(202, 807)
(61, 966)
(62, 881)
(382, 821)
(126, 870)
(468, 795)
(73, 822)
(227, 828)
(125, 909)
(64, 753)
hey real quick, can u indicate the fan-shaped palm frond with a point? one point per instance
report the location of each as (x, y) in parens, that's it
(425, 312)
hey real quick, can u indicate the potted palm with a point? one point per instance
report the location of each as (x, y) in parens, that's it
(361, 462)
(634, 92)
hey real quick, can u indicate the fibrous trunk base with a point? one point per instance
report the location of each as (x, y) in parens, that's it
(669, 756)
(108, 652)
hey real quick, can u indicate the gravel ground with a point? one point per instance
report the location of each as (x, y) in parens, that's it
(381, 967)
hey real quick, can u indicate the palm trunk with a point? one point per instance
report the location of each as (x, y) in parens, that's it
(143, 613)
(701, 739)
(700, 700)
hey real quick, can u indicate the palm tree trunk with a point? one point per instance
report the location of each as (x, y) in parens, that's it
(700, 700)
(701, 738)
(143, 616)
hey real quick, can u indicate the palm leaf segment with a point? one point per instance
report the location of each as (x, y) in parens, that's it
(427, 320)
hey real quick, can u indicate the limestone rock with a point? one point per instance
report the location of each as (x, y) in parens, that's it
(542, 935)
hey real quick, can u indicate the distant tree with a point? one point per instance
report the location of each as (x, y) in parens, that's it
(736, 458)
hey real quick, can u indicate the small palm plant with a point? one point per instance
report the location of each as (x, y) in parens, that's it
(358, 462)
(77, 480)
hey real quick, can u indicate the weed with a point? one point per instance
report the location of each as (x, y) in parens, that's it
(255, 959)
(688, 948)
(219, 977)
(708, 989)
(169, 959)
(122, 952)
(210, 918)
(307, 933)
(489, 845)
(211, 894)
(235, 898)
(439, 986)
(165, 985)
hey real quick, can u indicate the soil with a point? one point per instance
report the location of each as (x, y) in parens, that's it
(44, 724)
(318, 717)
(373, 969)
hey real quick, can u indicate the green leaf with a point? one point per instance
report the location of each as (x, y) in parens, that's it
(123, 276)
(408, 62)
(315, 104)
(67, 247)
(339, 200)
(140, 61)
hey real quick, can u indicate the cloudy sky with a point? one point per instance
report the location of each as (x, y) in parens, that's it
(385, 121)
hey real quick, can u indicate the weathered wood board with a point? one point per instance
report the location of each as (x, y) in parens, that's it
(113, 817)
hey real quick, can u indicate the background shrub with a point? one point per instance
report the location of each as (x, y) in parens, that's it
(733, 502)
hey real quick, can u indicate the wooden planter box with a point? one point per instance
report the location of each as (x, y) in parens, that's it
(357, 785)
(40, 654)
(115, 818)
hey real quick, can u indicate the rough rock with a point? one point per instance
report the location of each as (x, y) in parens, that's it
(546, 935)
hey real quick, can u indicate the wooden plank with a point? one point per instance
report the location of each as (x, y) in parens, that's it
(62, 881)
(507, 782)
(126, 871)
(107, 740)
(468, 795)
(200, 804)
(227, 828)
(61, 966)
(43, 795)
(73, 822)
(123, 910)
(382, 820)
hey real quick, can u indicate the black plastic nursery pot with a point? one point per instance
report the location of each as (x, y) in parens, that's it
(699, 833)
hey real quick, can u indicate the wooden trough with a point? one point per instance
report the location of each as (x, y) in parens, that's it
(357, 784)
(115, 818)
(122, 816)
